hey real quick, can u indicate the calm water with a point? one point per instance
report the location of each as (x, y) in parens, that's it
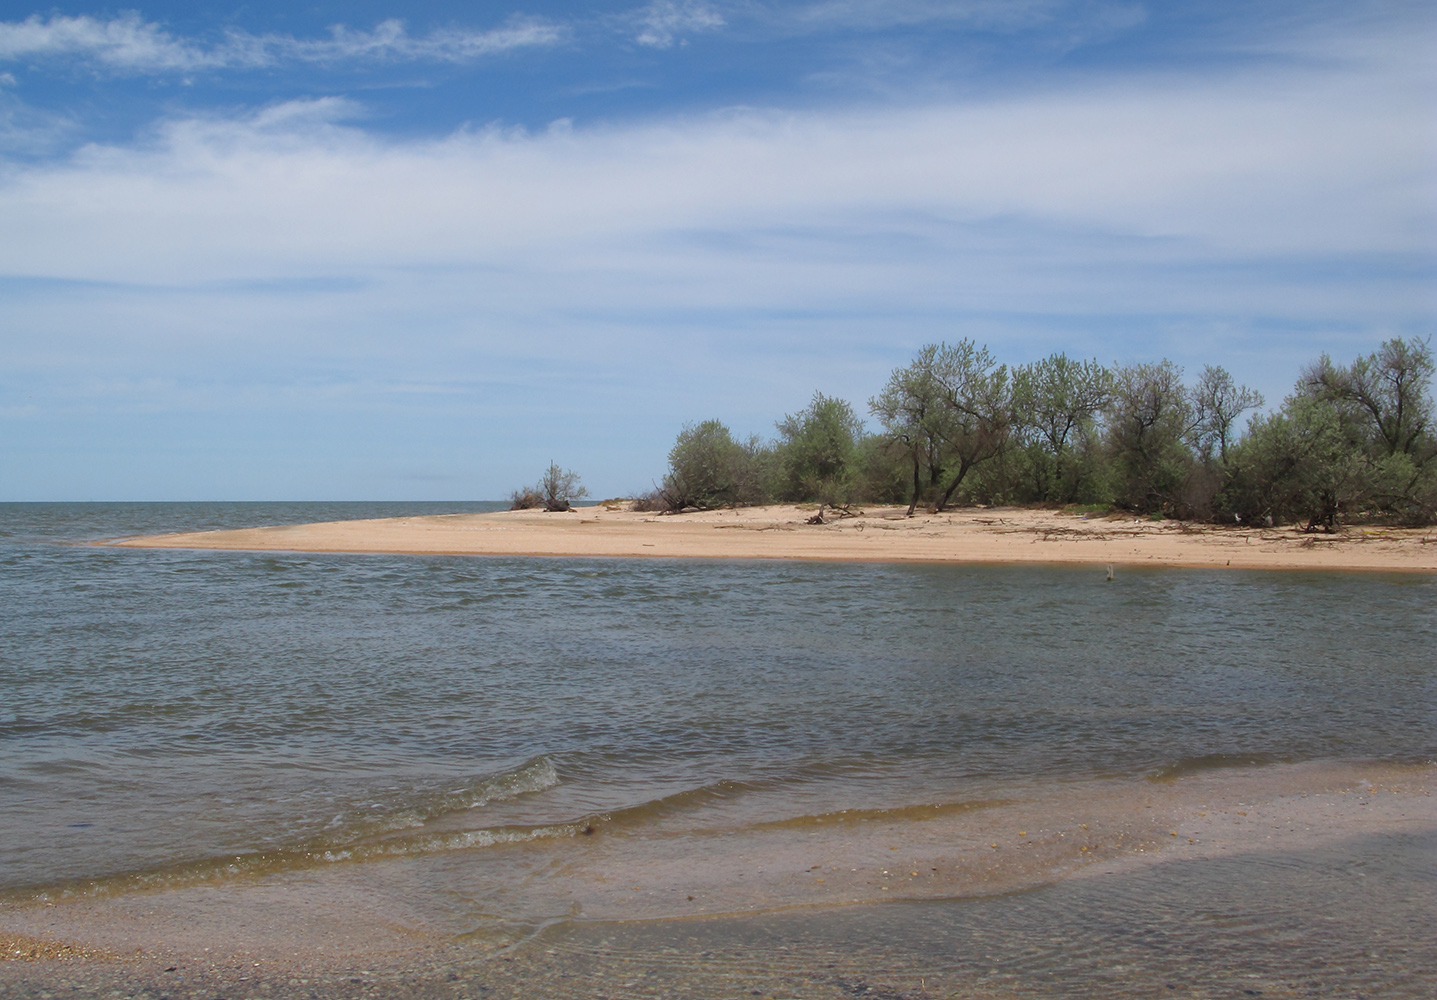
(170, 715)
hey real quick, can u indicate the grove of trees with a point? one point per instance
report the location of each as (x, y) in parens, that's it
(956, 426)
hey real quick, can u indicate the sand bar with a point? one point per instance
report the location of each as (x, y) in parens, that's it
(878, 534)
(367, 915)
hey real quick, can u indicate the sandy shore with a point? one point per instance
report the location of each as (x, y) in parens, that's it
(372, 916)
(878, 534)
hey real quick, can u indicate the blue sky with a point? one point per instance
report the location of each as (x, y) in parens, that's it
(415, 251)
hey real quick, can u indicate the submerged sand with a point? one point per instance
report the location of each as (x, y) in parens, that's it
(874, 534)
(421, 912)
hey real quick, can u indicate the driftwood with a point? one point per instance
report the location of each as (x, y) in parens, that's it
(839, 510)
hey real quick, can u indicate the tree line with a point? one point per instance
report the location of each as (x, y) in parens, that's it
(956, 426)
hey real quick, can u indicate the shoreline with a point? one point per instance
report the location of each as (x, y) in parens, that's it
(992, 536)
(366, 918)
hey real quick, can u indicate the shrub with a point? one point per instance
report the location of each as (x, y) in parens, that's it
(555, 491)
(708, 468)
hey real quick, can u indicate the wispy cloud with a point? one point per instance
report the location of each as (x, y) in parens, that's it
(129, 44)
(664, 22)
(1268, 165)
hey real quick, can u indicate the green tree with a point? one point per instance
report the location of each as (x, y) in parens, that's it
(949, 412)
(1056, 403)
(817, 450)
(1390, 388)
(708, 468)
(1305, 462)
(1149, 420)
(1218, 401)
(976, 413)
(910, 410)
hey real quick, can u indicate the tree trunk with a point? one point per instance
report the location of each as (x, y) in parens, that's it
(963, 468)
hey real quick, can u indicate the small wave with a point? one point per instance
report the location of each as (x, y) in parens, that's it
(535, 775)
(1213, 762)
(356, 836)
(261, 863)
(893, 814)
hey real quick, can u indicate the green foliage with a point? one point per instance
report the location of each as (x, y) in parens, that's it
(949, 411)
(817, 452)
(1300, 464)
(1056, 406)
(708, 468)
(1350, 442)
(882, 471)
(1149, 419)
(1389, 390)
(1353, 441)
(1218, 402)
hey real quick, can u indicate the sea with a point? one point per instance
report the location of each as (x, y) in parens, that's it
(623, 777)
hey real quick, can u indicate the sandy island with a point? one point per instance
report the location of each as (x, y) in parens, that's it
(877, 534)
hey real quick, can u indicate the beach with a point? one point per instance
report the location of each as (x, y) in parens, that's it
(877, 534)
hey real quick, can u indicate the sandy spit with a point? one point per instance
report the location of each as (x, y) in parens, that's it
(877, 534)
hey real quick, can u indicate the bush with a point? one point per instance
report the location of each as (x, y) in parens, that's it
(708, 468)
(524, 499)
(818, 452)
(555, 491)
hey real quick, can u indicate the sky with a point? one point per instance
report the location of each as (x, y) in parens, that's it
(417, 251)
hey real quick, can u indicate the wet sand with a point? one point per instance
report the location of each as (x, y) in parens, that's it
(878, 534)
(500, 917)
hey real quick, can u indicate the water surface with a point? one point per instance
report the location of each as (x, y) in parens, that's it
(171, 716)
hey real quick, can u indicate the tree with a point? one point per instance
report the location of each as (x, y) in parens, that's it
(948, 410)
(1055, 405)
(1217, 403)
(1305, 462)
(1148, 422)
(817, 450)
(555, 491)
(910, 410)
(1351, 441)
(976, 412)
(1389, 387)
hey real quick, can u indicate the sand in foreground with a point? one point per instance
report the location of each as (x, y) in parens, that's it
(878, 534)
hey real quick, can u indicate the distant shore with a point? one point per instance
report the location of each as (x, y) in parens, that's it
(877, 534)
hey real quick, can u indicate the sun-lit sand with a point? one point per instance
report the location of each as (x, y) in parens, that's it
(877, 534)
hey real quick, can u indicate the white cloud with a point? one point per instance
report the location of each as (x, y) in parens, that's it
(129, 44)
(1265, 165)
(633, 276)
(664, 22)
